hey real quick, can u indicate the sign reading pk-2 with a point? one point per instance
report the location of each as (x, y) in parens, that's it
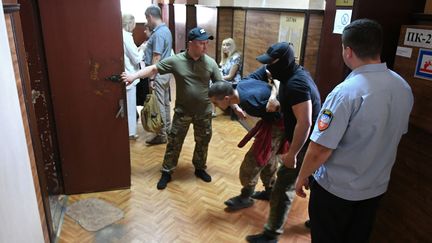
(418, 37)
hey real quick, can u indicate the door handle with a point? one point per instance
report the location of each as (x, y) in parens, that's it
(114, 78)
(121, 111)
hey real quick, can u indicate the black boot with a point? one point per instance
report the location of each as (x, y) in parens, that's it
(243, 200)
(202, 174)
(163, 181)
(261, 238)
(263, 195)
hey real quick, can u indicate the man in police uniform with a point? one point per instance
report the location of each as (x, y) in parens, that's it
(355, 140)
(192, 71)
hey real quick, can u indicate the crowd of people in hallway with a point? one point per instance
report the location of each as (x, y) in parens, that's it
(342, 150)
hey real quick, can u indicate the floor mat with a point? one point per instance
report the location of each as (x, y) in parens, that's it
(94, 214)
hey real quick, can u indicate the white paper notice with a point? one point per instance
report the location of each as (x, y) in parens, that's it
(404, 51)
(342, 19)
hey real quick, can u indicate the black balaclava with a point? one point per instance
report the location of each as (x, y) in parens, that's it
(283, 69)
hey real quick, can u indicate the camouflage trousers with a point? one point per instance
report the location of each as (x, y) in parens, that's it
(250, 170)
(282, 195)
(202, 133)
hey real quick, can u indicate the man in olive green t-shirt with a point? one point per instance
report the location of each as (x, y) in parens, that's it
(192, 70)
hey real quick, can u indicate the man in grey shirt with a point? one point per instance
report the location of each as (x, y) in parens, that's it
(355, 140)
(158, 48)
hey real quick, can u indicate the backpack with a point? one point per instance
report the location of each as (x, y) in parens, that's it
(151, 118)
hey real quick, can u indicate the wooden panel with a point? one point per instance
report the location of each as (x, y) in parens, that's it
(428, 7)
(180, 27)
(138, 34)
(239, 22)
(405, 213)
(42, 103)
(191, 17)
(207, 19)
(262, 30)
(31, 188)
(391, 20)
(330, 65)
(421, 115)
(312, 43)
(225, 28)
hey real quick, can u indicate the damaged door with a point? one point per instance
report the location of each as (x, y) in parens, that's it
(83, 45)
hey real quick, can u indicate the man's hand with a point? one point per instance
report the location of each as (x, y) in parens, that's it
(272, 104)
(239, 112)
(300, 183)
(127, 78)
(289, 160)
(152, 85)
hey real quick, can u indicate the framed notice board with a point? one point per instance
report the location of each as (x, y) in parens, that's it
(413, 61)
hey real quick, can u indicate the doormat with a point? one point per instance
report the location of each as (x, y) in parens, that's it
(94, 214)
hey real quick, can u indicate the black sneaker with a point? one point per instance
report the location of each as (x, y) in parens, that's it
(261, 238)
(202, 174)
(163, 181)
(156, 140)
(262, 195)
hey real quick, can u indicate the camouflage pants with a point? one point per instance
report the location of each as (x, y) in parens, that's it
(202, 134)
(282, 195)
(250, 170)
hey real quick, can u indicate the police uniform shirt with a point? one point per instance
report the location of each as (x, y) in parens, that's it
(362, 120)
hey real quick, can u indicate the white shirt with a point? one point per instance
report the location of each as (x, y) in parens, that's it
(132, 57)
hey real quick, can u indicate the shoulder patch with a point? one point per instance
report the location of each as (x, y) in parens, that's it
(324, 119)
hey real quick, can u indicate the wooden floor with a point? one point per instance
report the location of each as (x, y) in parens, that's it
(188, 210)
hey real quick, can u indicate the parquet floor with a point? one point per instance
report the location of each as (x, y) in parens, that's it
(188, 210)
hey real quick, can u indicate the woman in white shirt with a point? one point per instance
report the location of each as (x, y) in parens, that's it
(132, 57)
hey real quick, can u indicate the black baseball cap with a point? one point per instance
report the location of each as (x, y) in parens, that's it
(198, 33)
(278, 50)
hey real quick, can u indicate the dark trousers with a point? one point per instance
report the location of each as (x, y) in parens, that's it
(142, 90)
(336, 220)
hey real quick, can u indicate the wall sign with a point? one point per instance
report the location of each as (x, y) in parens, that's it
(348, 3)
(418, 37)
(342, 19)
(404, 51)
(291, 30)
(424, 65)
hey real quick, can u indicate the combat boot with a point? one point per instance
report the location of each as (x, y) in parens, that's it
(163, 181)
(263, 195)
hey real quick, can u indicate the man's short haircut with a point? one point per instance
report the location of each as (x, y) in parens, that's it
(364, 37)
(153, 11)
(220, 89)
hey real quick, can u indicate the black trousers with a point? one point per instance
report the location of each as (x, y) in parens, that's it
(336, 220)
(142, 90)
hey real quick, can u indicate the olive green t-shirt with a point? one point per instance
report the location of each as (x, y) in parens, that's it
(192, 81)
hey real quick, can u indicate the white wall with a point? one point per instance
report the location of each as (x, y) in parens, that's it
(136, 8)
(19, 216)
(284, 4)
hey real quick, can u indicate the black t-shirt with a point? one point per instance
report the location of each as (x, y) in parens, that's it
(254, 95)
(297, 89)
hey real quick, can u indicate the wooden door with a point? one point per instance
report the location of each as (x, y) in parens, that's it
(83, 45)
